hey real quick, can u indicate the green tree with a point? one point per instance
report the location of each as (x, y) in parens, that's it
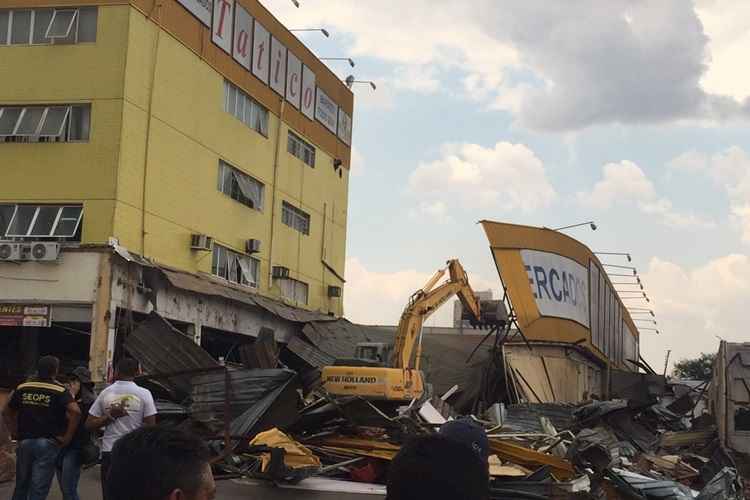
(699, 368)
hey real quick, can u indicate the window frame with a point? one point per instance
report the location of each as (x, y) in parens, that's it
(31, 225)
(227, 169)
(259, 114)
(70, 25)
(65, 128)
(73, 33)
(254, 266)
(300, 148)
(296, 287)
(295, 215)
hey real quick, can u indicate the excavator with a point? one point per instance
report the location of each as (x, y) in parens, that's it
(397, 376)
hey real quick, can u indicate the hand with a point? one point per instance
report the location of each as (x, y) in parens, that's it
(63, 441)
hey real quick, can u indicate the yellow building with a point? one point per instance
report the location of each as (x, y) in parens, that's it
(204, 138)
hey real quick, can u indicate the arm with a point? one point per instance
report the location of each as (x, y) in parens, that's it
(10, 417)
(149, 411)
(74, 416)
(149, 421)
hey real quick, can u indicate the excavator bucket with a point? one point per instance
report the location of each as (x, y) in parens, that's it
(492, 313)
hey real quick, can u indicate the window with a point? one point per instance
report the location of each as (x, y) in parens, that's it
(245, 108)
(296, 291)
(240, 186)
(48, 26)
(40, 221)
(66, 123)
(235, 267)
(301, 149)
(295, 218)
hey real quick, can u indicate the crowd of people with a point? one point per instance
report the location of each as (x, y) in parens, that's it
(55, 419)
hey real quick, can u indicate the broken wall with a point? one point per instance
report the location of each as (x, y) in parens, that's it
(730, 395)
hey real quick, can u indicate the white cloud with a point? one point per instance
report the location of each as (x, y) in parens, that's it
(694, 306)
(434, 211)
(727, 25)
(378, 298)
(506, 176)
(643, 62)
(625, 182)
(357, 162)
(729, 169)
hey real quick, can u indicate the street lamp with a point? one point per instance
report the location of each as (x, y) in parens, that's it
(350, 81)
(590, 223)
(635, 271)
(629, 284)
(651, 329)
(636, 298)
(641, 310)
(646, 320)
(324, 31)
(615, 253)
(351, 63)
(296, 3)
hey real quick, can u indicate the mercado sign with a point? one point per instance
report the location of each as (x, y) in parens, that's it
(24, 315)
(253, 46)
(559, 291)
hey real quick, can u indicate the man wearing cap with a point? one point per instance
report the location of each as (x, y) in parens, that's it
(78, 452)
(470, 433)
(43, 416)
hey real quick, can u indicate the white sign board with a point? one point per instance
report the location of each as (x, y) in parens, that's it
(200, 9)
(345, 127)
(560, 285)
(308, 92)
(221, 28)
(243, 30)
(261, 42)
(326, 111)
(293, 79)
(278, 66)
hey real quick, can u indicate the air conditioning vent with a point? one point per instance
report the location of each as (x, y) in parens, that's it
(9, 251)
(280, 272)
(39, 251)
(252, 246)
(334, 291)
(201, 242)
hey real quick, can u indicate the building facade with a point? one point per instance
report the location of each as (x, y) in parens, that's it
(188, 135)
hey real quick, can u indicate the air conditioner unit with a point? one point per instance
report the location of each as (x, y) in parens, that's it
(201, 242)
(334, 291)
(10, 251)
(252, 246)
(39, 251)
(280, 272)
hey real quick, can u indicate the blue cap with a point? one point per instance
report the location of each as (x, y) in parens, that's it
(468, 432)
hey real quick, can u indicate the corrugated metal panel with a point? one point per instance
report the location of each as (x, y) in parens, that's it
(160, 349)
(337, 338)
(206, 286)
(309, 353)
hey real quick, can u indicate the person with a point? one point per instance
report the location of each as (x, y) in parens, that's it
(74, 456)
(120, 408)
(436, 467)
(160, 463)
(43, 417)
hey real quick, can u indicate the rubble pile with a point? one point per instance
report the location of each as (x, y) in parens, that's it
(266, 420)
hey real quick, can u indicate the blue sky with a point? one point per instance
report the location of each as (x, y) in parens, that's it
(633, 114)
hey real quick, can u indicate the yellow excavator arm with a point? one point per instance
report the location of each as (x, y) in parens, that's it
(426, 301)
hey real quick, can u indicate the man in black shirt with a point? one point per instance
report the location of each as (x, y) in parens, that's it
(43, 417)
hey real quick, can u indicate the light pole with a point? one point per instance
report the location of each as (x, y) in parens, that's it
(322, 30)
(650, 329)
(351, 63)
(629, 284)
(350, 81)
(615, 253)
(590, 223)
(635, 271)
(641, 310)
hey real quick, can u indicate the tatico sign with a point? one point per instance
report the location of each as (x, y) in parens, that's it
(560, 285)
(24, 315)
(235, 31)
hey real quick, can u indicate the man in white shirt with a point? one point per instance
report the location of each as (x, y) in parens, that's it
(120, 408)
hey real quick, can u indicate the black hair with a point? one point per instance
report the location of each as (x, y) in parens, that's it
(47, 367)
(151, 462)
(127, 367)
(437, 468)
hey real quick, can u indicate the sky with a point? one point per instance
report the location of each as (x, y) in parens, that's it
(634, 114)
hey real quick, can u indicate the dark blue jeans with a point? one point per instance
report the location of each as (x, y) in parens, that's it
(35, 468)
(69, 472)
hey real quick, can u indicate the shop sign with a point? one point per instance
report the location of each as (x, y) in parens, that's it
(24, 315)
(326, 111)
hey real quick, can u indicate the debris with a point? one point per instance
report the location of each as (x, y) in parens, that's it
(511, 452)
(686, 438)
(296, 456)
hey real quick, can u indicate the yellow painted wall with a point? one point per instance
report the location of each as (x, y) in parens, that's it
(69, 172)
(189, 132)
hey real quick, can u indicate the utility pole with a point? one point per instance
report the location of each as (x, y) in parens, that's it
(666, 361)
